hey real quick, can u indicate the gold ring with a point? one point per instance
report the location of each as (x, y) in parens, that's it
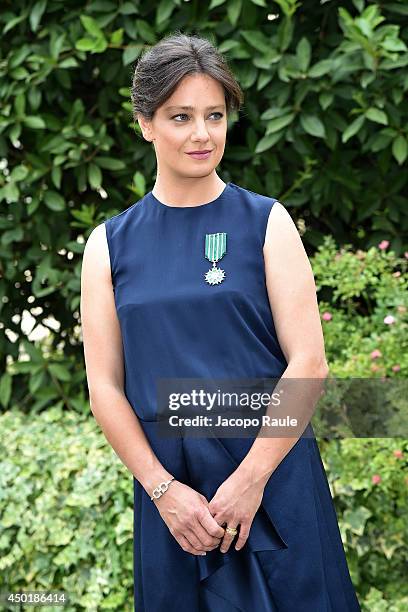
(231, 530)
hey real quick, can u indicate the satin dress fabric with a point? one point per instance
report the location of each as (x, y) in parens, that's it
(175, 325)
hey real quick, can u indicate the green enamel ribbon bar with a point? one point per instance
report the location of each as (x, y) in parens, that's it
(215, 246)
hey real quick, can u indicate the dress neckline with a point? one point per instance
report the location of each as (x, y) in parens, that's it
(171, 207)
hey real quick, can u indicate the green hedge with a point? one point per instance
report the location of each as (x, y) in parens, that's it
(369, 481)
(66, 512)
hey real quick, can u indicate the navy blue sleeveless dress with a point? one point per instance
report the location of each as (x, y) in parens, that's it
(175, 324)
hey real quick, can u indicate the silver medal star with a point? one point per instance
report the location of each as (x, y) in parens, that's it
(214, 276)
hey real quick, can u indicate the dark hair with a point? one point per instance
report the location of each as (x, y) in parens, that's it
(160, 69)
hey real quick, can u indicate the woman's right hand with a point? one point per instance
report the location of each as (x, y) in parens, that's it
(186, 514)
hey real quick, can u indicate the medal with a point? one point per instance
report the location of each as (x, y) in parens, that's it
(215, 249)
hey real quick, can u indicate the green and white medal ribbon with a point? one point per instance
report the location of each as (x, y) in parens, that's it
(215, 249)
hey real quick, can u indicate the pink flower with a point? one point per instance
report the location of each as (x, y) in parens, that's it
(406, 254)
(396, 274)
(326, 316)
(383, 244)
(398, 453)
(376, 353)
(376, 479)
(389, 320)
(396, 367)
(374, 367)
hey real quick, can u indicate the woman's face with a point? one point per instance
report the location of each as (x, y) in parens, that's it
(177, 131)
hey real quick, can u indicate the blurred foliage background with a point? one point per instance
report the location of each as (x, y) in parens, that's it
(323, 129)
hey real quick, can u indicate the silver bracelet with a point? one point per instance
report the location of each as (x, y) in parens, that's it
(162, 488)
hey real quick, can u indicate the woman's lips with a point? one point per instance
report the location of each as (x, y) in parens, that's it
(200, 155)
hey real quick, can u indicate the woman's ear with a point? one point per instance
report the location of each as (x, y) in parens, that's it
(145, 126)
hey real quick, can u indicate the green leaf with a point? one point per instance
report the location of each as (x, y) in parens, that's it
(393, 44)
(128, 8)
(91, 26)
(37, 380)
(85, 44)
(325, 99)
(267, 142)
(59, 371)
(130, 54)
(303, 54)
(54, 201)
(19, 104)
(13, 235)
(146, 31)
(56, 175)
(215, 3)
(19, 173)
(285, 33)
(94, 176)
(35, 14)
(69, 62)
(275, 125)
(312, 125)
(320, 68)
(353, 128)
(140, 183)
(11, 23)
(37, 123)
(164, 11)
(117, 37)
(19, 74)
(17, 56)
(11, 192)
(257, 39)
(356, 519)
(110, 163)
(100, 46)
(87, 131)
(234, 8)
(374, 114)
(56, 44)
(5, 389)
(400, 149)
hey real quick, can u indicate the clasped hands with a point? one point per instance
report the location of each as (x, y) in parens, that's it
(198, 524)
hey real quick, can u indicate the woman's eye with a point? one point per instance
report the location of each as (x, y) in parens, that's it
(185, 115)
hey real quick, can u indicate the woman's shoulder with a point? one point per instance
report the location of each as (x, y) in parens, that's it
(257, 199)
(263, 207)
(124, 214)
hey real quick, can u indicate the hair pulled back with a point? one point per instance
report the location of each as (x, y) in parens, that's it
(160, 69)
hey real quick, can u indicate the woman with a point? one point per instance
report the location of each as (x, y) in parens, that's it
(220, 524)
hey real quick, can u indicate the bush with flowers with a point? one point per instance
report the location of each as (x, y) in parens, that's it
(362, 299)
(363, 303)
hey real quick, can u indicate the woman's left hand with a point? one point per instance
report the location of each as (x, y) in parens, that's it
(235, 503)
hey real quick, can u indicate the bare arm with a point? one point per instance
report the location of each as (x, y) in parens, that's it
(105, 368)
(184, 510)
(292, 296)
